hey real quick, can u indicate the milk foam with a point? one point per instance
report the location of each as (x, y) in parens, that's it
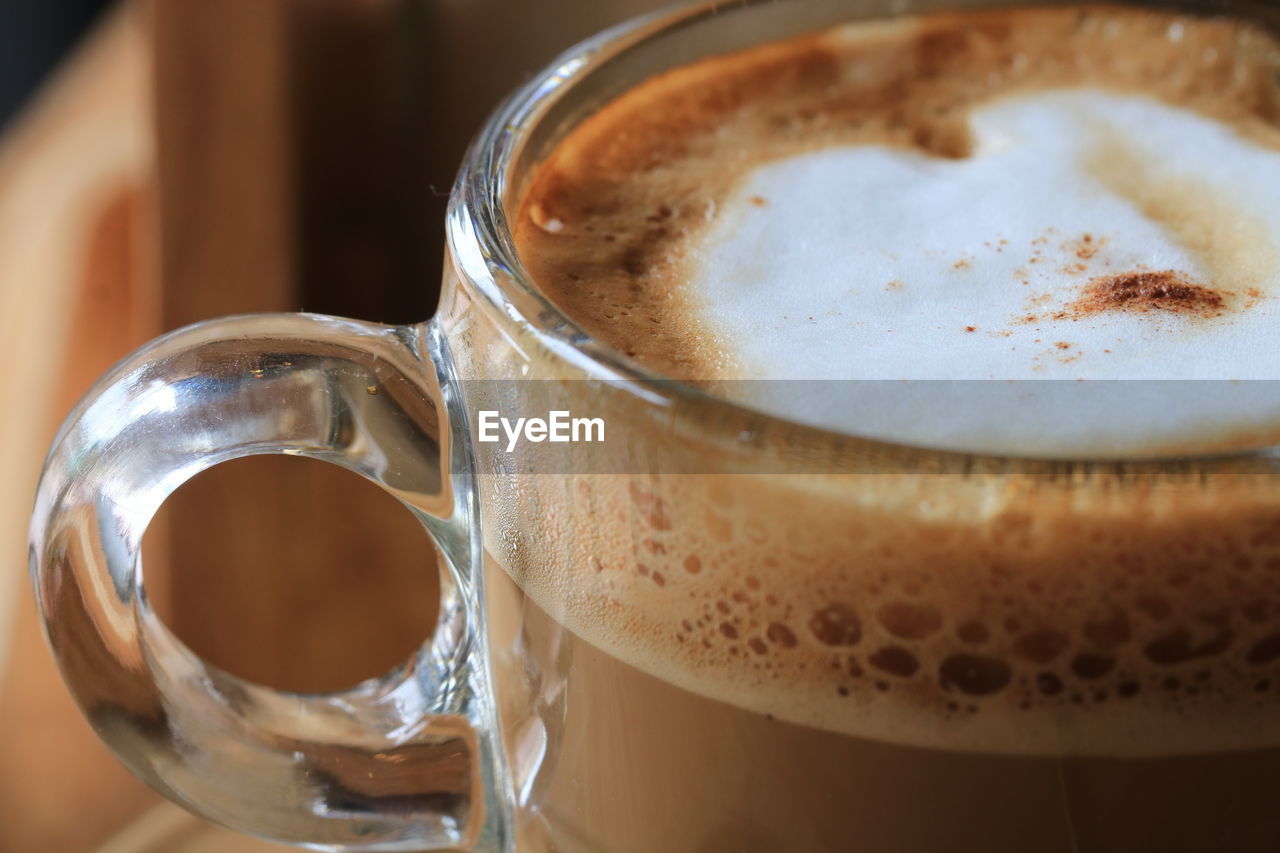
(869, 262)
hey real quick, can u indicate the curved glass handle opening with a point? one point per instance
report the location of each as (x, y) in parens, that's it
(401, 762)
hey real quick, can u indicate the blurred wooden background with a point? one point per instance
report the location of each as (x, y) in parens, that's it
(200, 159)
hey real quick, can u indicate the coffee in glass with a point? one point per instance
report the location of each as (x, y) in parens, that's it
(861, 565)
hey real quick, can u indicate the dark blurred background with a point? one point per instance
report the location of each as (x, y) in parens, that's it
(34, 34)
(380, 99)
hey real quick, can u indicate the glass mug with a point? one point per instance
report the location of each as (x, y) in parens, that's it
(715, 630)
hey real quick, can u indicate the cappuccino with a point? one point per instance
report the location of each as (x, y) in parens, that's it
(963, 657)
(1047, 194)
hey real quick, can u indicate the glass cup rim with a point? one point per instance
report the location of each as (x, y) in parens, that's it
(481, 244)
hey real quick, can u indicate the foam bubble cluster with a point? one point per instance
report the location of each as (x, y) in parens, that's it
(1005, 615)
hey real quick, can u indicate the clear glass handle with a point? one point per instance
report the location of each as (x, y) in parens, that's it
(402, 762)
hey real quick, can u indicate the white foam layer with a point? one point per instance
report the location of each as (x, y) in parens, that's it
(878, 263)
